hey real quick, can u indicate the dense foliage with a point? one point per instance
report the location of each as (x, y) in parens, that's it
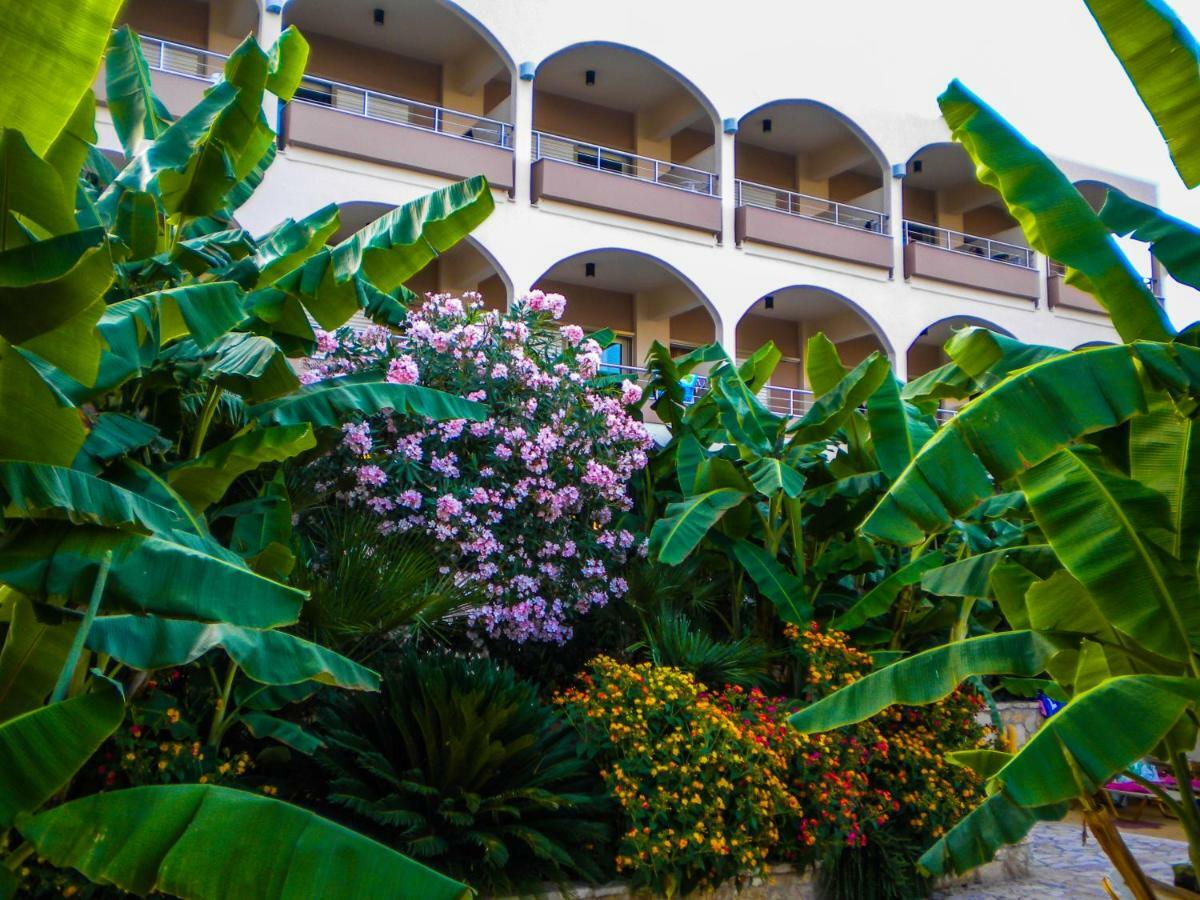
(459, 763)
(526, 503)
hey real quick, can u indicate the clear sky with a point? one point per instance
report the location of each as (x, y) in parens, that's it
(1045, 65)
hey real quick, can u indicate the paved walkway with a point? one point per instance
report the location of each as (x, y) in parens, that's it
(1062, 867)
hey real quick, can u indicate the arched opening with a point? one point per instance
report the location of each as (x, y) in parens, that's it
(807, 159)
(603, 110)
(467, 266)
(790, 316)
(640, 298)
(926, 354)
(415, 63)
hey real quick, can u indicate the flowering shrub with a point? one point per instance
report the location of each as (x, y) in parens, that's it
(524, 504)
(884, 775)
(699, 786)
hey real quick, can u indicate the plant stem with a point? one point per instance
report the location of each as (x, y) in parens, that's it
(14, 860)
(81, 633)
(217, 730)
(1189, 817)
(206, 417)
(1100, 823)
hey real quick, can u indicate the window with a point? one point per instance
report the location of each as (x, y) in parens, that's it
(618, 353)
(315, 91)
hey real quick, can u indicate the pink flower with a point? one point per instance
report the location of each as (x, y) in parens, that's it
(631, 394)
(402, 370)
(572, 334)
(371, 476)
(448, 507)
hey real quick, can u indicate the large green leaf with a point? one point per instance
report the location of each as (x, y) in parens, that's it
(896, 431)
(150, 574)
(207, 843)
(970, 577)
(1100, 525)
(684, 525)
(771, 475)
(71, 148)
(1161, 58)
(928, 676)
(36, 423)
(327, 404)
(1053, 214)
(289, 57)
(293, 241)
(976, 837)
(268, 657)
(262, 536)
(777, 584)
(46, 284)
(1054, 402)
(31, 188)
(1173, 242)
(388, 251)
(35, 490)
(42, 749)
(204, 480)
(262, 725)
(32, 658)
(880, 598)
(833, 408)
(822, 364)
(1137, 712)
(988, 358)
(51, 54)
(138, 116)
(1164, 455)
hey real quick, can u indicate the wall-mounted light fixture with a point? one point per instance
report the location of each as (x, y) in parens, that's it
(378, 15)
(766, 126)
(589, 270)
(916, 165)
(589, 77)
(769, 301)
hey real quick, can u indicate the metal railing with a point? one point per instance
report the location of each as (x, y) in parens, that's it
(806, 207)
(1057, 268)
(619, 162)
(180, 59)
(394, 110)
(968, 244)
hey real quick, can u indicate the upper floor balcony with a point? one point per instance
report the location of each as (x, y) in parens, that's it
(358, 122)
(942, 254)
(606, 178)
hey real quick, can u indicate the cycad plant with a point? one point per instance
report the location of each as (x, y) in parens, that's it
(1102, 597)
(459, 764)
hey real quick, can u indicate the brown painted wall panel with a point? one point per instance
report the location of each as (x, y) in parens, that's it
(180, 21)
(593, 308)
(554, 180)
(323, 128)
(581, 121)
(780, 229)
(1059, 293)
(372, 68)
(753, 331)
(695, 326)
(926, 261)
(763, 166)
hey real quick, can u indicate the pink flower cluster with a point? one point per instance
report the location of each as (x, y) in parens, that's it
(526, 504)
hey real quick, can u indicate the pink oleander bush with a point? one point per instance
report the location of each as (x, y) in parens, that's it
(526, 504)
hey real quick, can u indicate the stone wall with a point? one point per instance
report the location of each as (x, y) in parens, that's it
(1025, 716)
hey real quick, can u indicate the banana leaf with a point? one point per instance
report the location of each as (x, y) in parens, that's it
(1173, 242)
(928, 676)
(833, 408)
(51, 54)
(36, 422)
(326, 404)
(1055, 402)
(205, 480)
(148, 574)
(770, 475)
(138, 116)
(70, 149)
(1053, 215)
(775, 582)
(822, 365)
(988, 358)
(31, 188)
(207, 842)
(32, 658)
(897, 430)
(1161, 58)
(1101, 526)
(975, 839)
(264, 725)
(880, 598)
(1164, 455)
(684, 524)
(41, 750)
(268, 657)
(970, 577)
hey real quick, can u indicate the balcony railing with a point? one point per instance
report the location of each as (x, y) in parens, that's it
(968, 244)
(1057, 268)
(180, 59)
(618, 162)
(819, 209)
(379, 107)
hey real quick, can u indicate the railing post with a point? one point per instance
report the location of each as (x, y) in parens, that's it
(437, 119)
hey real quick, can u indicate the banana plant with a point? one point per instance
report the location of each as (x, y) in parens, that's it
(147, 402)
(1101, 597)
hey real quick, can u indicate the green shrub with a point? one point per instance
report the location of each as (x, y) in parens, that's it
(459, 764)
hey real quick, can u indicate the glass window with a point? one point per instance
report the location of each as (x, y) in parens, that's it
(618, 353)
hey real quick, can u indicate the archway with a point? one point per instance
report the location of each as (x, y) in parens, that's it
(639, 297)
(805, 158)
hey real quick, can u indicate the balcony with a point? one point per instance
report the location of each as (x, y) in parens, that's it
(602, 178)
(780, 218)
(941, 254)
(1060, 294)
(353, 121)
(179, 74)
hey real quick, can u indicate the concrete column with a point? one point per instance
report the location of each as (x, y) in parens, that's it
(727, 336)
(522, 138)
(648, 327)
(900, 364)
(728, 188)
(1043, 267)
(270, 26)
(895, 189)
